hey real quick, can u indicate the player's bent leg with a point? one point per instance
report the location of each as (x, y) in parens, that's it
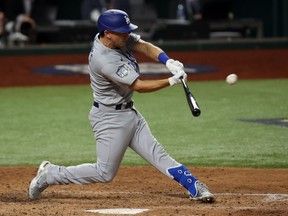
(196, 189)
(50, 174)
(81, 174)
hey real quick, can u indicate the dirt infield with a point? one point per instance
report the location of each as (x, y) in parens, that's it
(238, 191)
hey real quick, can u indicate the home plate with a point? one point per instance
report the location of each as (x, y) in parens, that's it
(117, 211)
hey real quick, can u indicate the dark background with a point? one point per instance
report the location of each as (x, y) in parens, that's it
(273, 13)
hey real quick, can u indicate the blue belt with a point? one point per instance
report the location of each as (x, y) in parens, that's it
(128, 105)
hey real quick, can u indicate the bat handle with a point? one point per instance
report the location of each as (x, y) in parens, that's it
(191, 101)
(182, 80)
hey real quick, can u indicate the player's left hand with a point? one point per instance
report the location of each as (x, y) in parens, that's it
(176, 78)
(174, 66)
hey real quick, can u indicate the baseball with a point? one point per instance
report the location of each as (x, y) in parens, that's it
(231, 79)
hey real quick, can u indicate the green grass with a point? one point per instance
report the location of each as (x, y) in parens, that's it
(51, 123)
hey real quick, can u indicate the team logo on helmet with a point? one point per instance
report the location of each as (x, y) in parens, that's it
(127, 19)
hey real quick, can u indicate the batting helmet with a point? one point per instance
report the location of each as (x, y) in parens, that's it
(115, 20)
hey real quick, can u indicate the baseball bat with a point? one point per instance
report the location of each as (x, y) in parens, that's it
(194, 107)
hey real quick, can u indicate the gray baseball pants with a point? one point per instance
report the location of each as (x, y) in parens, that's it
(114, 130)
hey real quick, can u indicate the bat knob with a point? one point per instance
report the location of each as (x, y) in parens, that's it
(196, 112)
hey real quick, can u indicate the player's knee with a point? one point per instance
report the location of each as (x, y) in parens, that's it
(107, 177)
(105, 172)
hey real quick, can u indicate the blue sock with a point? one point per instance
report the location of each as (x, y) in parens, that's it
(182, 175)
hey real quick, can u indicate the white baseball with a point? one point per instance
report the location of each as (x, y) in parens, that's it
(231, 79)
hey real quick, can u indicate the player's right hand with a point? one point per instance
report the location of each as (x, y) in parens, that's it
(176, 78)
(174, 66)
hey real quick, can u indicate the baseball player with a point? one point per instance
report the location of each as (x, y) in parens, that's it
(115, 121)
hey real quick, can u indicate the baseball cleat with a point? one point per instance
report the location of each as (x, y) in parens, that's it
(203, 194)
(39, 183)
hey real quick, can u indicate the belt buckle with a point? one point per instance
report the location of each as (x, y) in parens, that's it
(124, 106)
(129, 105)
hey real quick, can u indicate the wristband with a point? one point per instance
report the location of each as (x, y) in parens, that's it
(163, 58)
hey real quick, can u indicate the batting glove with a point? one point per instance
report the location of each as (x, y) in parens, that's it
(174, 66)
(176, 78)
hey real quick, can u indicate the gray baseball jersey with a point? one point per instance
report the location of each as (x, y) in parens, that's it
(112, 71)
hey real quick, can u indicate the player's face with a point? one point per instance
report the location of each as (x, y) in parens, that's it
(118, 39)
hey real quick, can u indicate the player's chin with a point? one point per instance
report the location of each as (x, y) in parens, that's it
(123, 42)
(121, 45)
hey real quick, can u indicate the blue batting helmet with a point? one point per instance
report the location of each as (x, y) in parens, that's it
(115, 20)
